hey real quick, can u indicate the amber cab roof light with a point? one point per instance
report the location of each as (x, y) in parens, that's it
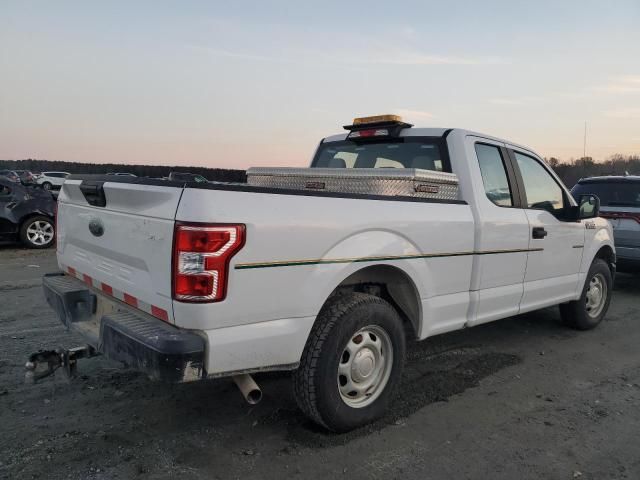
(376, 126)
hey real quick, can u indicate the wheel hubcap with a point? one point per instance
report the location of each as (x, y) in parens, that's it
(365, 366)
(596, 295)
(40, 232)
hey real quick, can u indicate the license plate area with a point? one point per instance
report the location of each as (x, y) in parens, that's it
(89, 328)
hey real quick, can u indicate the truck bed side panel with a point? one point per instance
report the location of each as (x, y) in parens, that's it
(299, 248)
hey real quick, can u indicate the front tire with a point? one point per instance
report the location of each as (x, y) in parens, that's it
(47, 186)
(589, 310)
(38, 232)
(352, 362)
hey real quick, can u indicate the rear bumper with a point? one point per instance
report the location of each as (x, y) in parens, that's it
(141, 341)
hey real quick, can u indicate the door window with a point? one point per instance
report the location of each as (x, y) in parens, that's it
(543, 192)
(494, 175)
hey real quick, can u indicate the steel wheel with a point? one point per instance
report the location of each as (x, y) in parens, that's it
(596, 295)
(589, 310)
(365, 366)
(40, 233)
(352, 362)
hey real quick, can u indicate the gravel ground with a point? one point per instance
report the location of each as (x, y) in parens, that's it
(521, 398)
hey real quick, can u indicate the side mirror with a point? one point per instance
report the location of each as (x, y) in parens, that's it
(589, 206)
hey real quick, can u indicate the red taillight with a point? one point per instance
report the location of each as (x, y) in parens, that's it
(201, 255)
(621, 215)
(374, 132)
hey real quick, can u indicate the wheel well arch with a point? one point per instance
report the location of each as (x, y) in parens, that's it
(391, 284)
(607, 254)
(30, 215)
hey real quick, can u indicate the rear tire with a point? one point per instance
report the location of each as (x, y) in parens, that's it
(38, 232)
(352, 362)
(589, 310)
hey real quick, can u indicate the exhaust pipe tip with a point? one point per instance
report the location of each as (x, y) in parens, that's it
(249, 388)
(254, 396)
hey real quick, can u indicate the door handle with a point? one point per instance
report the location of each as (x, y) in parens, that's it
(538, 232)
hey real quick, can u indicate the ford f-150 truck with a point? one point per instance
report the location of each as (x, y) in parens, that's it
(395, 233)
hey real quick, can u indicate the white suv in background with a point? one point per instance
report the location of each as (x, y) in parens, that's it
(52, 180)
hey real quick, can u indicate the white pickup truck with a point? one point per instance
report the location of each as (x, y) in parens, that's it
(325, 272)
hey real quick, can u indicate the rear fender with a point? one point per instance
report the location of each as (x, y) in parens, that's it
(31, 204)
(35, 213)
(363, 250)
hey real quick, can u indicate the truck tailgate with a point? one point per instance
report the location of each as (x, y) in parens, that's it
(123, 248)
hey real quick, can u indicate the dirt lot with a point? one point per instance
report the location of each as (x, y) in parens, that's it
(520, 398)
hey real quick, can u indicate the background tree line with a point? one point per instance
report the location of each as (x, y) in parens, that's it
(154, 171)
(570, 172)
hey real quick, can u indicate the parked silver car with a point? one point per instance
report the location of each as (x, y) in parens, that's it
(620, 204)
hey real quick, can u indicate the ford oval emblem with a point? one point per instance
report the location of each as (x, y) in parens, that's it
(96, 227)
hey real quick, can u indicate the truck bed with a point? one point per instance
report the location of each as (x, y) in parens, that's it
(297, 243)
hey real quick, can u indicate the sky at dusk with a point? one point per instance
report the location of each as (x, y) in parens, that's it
(239, 84)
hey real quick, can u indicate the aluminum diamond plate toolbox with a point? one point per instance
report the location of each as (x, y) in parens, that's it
(403, 182)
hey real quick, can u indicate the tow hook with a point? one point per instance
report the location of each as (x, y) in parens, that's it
(45, 362)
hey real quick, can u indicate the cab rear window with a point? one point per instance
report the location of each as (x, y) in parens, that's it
(397, 153)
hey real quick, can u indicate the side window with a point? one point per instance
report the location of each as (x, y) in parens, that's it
(4, 190)
(543, 193)
(494, 175)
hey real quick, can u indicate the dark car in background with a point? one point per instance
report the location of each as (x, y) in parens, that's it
(187, 177)
(26, 177)
(27, 214)
(620, 204)
(11, 175)
(122, 174)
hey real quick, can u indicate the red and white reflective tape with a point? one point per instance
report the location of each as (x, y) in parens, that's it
(122, 296)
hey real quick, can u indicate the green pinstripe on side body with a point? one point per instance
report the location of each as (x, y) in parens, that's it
(296, 263)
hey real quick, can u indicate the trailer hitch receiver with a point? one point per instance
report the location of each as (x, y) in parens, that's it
(45, 362)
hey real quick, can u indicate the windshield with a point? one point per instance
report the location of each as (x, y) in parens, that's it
(611, 194)
(413, 152)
